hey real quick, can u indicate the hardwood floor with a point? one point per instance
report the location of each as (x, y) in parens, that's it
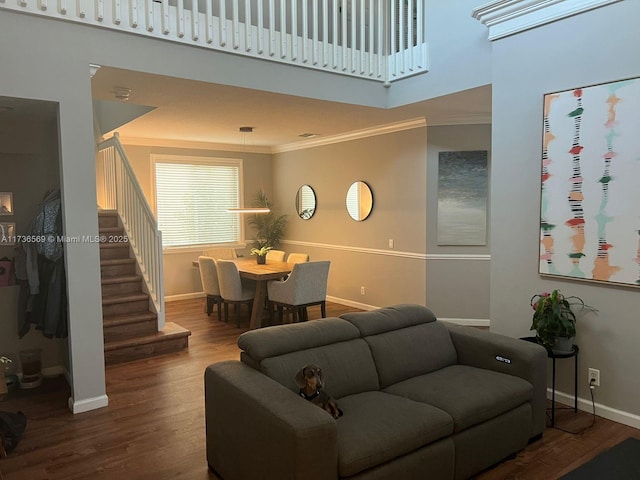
(153, 427)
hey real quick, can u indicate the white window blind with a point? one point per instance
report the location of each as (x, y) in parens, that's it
(192, 199)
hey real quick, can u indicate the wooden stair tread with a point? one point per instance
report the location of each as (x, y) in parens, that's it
(169, 332)
(130, 327)
(125, 298)
(121, 279)
(107, 245)
(116, 261)
(127, 318)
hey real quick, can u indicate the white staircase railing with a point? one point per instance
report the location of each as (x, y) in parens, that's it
(381, 40)
(119, 190)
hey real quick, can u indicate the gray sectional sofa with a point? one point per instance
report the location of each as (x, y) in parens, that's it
(421, 399)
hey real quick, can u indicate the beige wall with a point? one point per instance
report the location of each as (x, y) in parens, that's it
(394, 166)
(180, 277)
(401, 169)
(29, 168)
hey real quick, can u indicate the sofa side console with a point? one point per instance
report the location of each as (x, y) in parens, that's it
(491, 351)
(256, 428)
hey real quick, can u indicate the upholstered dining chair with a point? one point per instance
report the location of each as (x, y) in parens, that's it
(232, 290)
(210, 285)
(221, 253)
(275, 255)
(305, 286)
(297, 258)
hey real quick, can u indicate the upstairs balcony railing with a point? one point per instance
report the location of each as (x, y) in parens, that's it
(382, 40)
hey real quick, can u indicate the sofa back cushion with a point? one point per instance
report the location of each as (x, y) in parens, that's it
(389, 318)
(406, 341)
(273, 341)
(347, 367)
(332, 344)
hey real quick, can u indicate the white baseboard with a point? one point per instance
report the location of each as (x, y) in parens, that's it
(603, 411)
(82, 406)
(183, 296)
(350, 303)
(469, 322)
(472, 322)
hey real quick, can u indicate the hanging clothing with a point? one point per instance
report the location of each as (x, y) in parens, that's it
(41, 273)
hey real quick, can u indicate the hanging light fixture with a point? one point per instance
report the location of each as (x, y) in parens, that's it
(249, 210)
(244, 131)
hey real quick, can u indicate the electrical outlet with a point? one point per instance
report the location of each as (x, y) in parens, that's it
(594, 375)
(391, 243)
(361, 290)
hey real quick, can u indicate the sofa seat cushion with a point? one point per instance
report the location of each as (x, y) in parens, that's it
(470, 395)
(377, 427)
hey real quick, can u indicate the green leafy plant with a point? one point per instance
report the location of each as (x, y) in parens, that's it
(269, 227)
(554, 316)
(260, 252)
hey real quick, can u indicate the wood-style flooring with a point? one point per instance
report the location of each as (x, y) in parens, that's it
(153, 427)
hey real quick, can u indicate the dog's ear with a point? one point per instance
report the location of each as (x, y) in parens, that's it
(299, 378)
(320, 377)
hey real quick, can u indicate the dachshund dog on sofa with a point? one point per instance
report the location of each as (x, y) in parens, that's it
(310, 381)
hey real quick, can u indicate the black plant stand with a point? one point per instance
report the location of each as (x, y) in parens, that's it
(553, 356)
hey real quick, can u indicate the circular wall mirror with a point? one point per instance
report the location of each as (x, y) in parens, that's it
(305, 202)
(359, 201)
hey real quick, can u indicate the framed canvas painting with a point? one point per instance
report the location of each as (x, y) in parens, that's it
(462, 198)
(590, 194)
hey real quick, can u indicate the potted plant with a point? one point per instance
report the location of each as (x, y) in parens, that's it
(269, 227)
(554, 319)
(261, 254)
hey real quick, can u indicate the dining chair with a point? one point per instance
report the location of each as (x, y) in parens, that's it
(275, 255)
(232, 289)
(210, 285)
(305, 286)
(221, 253)
(297, 258)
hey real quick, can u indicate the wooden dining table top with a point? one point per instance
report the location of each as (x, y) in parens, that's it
(249, 268)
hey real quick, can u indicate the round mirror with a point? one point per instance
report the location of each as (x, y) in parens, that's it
(359, 201)
(305, 202)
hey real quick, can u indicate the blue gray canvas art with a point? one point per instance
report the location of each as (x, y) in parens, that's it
(462, 198)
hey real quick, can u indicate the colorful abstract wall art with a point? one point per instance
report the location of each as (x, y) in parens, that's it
(590, 197)
(462, 198)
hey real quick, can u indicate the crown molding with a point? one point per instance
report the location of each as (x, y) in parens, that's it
(192, 145)
(467, 119)
(507, 17)
(354, 135)
(315, 142)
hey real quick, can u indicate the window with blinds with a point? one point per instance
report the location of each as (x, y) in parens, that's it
(192, 198)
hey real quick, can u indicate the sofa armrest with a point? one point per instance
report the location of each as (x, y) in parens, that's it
(257, 428)
(491, 351)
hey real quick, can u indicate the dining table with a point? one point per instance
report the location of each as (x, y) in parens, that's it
(248, 268)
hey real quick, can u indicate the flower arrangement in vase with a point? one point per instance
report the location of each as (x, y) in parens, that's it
(554, 319)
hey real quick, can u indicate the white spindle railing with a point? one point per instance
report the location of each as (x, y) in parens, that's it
(376, 39)
(120, 191)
